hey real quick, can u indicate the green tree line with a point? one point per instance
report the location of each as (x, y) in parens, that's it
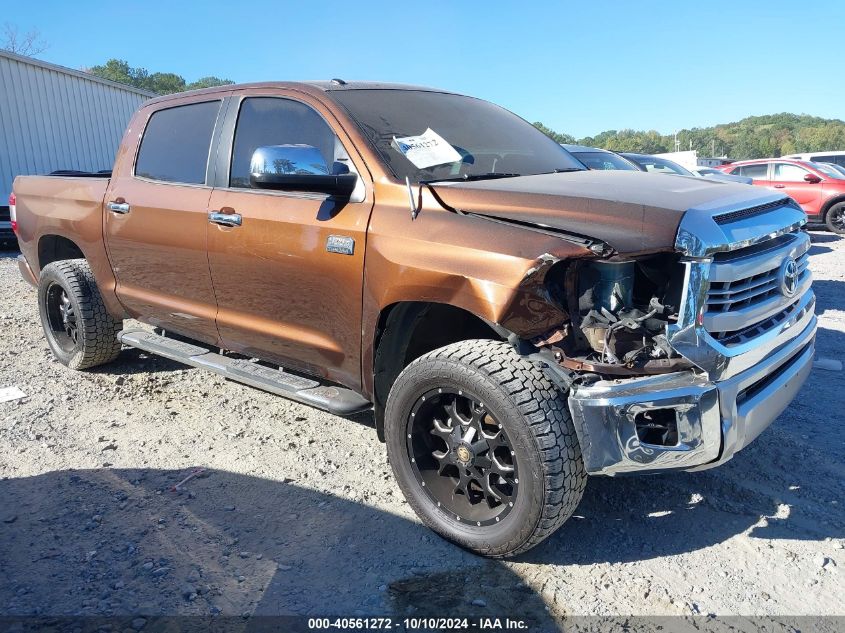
(752, 137)
(765, 136)
(161, 83)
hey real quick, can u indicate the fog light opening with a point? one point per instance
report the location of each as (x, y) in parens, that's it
(658, 427)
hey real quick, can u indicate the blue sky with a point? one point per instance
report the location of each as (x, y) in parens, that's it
(579, 67)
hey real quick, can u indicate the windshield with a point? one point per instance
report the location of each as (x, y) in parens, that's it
(834, 171)
(661, 165)
(604, 160)
(432, 136)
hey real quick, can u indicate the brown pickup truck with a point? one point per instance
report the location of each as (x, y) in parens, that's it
(514, 321)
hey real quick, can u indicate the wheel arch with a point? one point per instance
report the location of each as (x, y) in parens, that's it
(407, 330)
(829, 203)
(53, 248)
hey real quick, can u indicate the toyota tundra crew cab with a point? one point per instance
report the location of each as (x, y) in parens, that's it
(514, 321)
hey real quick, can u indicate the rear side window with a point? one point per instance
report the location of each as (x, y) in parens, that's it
(176, 143)
(277, 121)
(757, 172)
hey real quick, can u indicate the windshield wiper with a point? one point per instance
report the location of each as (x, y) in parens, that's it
(490, 175)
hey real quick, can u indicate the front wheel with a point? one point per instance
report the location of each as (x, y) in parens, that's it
(835, 218)
(482, 444)
(80, 331)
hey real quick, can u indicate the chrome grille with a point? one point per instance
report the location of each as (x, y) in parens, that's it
(730, 318)
(745, 297)
(725, 296)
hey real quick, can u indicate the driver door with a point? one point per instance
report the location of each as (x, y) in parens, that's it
(282, 295)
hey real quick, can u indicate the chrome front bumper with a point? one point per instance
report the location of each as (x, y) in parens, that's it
(714, 419)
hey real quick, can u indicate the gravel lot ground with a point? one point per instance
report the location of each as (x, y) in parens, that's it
(296, 512)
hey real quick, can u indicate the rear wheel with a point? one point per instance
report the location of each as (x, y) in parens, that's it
(835, 218)
(483, 447)
(80, 331)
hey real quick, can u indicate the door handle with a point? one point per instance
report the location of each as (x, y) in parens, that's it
(224, 219)
(780, 186)
(119, 207)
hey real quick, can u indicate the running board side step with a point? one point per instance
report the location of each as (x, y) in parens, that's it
(331, 398)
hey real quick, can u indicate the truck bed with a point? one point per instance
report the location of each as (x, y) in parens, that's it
(53, 211)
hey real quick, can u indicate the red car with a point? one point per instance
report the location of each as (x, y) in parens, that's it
(819, 189)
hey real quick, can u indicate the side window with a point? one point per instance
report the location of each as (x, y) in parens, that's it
(786, 172)
(176, 143)
(277, 121)
(837, 159)
(757, 172)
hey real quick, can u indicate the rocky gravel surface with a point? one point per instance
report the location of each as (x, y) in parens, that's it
(145, 488)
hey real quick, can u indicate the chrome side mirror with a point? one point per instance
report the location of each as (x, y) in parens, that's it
(297, 168)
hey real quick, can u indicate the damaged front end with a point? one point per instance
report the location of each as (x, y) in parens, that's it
(679, 360)
(637, 403)
(620, 310)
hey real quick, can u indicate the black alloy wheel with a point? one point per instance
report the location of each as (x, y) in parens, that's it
(482, 444)
(835, 218)
(62, 317)
(78, 327)
(462, 457)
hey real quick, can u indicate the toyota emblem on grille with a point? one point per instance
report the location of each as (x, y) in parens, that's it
(789, 277)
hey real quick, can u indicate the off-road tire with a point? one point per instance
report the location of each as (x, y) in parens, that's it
(834, 219)
(534, 413)
(97, 341)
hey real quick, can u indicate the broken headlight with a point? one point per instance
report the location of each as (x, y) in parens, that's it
(620, 309)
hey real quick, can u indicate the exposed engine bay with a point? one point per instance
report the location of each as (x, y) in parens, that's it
(619, 312)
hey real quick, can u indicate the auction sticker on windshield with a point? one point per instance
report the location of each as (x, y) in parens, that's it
(426, 150)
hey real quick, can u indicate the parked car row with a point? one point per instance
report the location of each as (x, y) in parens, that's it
(596, 158)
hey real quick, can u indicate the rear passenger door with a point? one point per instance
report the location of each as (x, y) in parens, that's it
(283, 294)
(156, 221)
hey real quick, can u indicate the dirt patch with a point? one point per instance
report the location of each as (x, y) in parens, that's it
(296, 512)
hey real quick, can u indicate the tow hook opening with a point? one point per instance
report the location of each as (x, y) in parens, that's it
(658, 427)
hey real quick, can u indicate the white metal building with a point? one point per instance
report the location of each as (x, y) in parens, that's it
(52, 117)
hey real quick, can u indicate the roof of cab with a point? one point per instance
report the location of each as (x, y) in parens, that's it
(304, 86)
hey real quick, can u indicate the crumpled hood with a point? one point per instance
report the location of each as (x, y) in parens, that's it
(632, 212)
